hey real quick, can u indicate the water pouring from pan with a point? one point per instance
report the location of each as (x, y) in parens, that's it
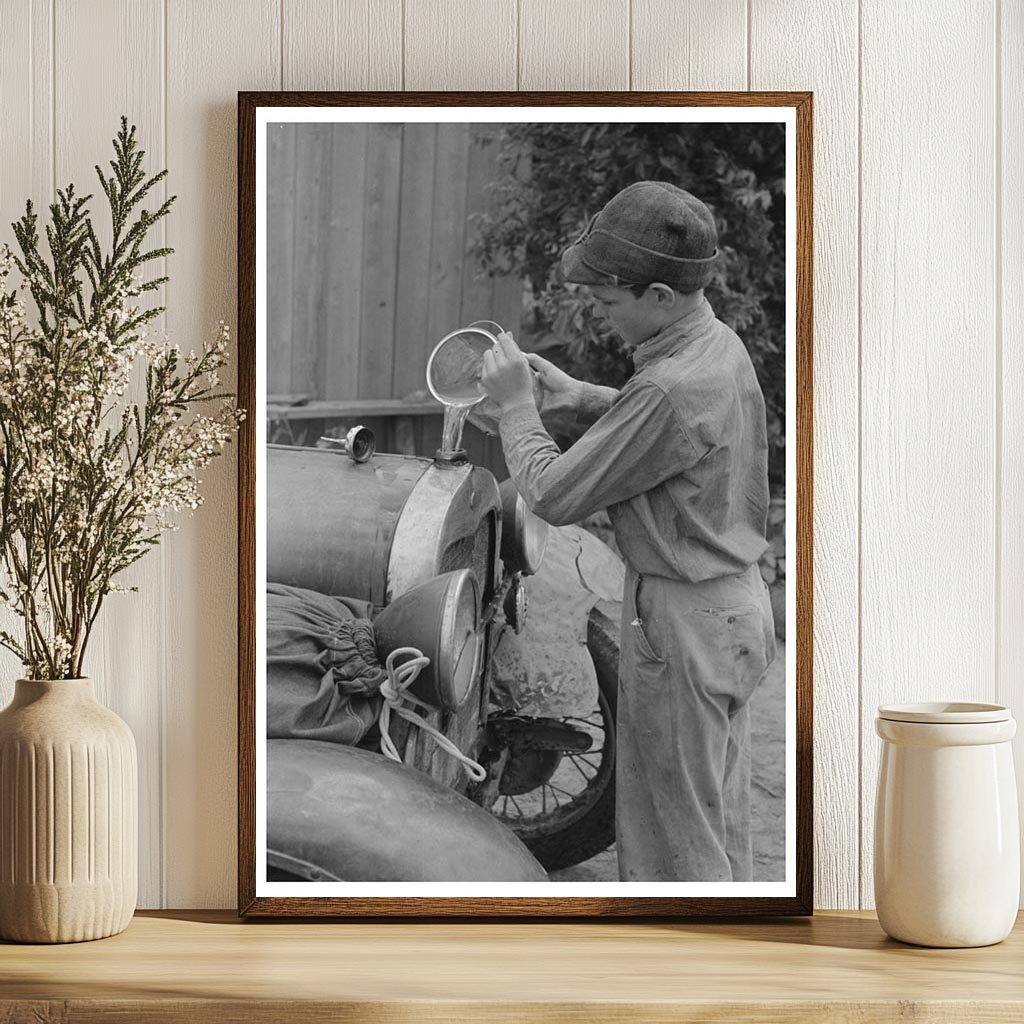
(453, 377)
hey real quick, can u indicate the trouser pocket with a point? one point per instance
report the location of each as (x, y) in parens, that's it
(732, 642)
(638, 624)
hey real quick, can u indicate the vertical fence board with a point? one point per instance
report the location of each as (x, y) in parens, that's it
(342, 278)
(468, 45)
(574, 44)
(1010, 261)
(342, 44)
(478, 300)
(697, 45)
(446, 249)
(928, 363)
(380, 259)
(281, 142)
(412, 337)
(477, 285)
(826, 62)
(313, 180)
(127, 666)
(213, 50)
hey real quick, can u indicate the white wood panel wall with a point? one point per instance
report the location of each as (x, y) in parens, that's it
(919, 317)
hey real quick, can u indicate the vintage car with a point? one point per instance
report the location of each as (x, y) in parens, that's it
(457, 567)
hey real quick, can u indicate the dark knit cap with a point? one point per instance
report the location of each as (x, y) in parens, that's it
(650, 231)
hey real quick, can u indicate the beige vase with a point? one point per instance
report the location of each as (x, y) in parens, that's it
(68, 815)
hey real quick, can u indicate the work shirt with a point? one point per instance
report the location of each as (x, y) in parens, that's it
(679, 457)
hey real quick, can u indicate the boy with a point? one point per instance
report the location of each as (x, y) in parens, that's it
(679, 459)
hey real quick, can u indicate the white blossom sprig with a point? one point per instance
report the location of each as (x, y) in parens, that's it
(89, 477)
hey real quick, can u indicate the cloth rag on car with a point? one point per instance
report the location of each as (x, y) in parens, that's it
(323, 676)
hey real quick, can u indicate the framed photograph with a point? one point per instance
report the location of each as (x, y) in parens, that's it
(525, 504)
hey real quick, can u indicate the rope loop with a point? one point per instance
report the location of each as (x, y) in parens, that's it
(397, 699)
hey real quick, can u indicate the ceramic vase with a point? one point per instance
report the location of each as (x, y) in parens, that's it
(947, 847)
(68, 815)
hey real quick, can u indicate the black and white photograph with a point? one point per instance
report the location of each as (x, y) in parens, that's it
(525, 499)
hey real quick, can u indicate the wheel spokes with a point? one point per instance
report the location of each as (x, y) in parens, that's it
(553, 798)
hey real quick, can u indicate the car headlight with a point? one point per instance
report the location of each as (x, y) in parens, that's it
(441, 618)
(524, 536)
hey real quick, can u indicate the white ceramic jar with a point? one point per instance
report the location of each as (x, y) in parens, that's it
(947, 847)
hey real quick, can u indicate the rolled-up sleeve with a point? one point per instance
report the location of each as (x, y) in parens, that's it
(636, 445)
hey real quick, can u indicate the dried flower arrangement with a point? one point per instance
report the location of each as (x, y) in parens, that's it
(89, 478)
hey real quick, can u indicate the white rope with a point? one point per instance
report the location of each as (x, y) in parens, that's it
(394, 691)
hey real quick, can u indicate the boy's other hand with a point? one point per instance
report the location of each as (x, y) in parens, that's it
(557, 381)
(507, 377)
(559, 398)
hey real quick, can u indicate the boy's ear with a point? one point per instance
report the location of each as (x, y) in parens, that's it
(662, 292)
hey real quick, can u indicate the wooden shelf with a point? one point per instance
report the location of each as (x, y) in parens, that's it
(210, 967)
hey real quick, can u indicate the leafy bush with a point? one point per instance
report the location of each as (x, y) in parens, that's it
(553, 177)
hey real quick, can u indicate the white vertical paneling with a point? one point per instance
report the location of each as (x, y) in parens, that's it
(468, 45)
(826, 63)
(701, 44)
(941, 233)
(122, 656)
(213, 51)
(574, 44)
(342, 44)
(928, 402)
(26, 104)
(1010, 266)
(26, 168)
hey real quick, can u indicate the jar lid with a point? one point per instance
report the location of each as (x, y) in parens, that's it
(945, 713)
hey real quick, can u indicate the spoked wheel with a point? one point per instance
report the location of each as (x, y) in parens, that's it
(557, 790)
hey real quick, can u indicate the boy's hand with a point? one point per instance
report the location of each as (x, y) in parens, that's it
(506, 376)
(559, 400)
(554, 380)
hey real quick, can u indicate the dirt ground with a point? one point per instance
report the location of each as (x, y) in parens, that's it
(768, 788)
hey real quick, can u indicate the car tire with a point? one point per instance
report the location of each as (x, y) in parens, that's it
(563, 840)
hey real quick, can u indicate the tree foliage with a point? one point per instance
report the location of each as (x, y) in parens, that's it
(554, 177)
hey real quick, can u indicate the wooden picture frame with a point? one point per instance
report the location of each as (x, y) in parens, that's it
(795, 110)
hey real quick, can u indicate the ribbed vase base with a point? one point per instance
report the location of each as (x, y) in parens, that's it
(63, 913)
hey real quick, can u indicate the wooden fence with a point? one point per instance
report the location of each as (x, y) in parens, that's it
(367, 268)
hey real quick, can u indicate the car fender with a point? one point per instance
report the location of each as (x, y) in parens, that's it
(338, 813)
(546, 670)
